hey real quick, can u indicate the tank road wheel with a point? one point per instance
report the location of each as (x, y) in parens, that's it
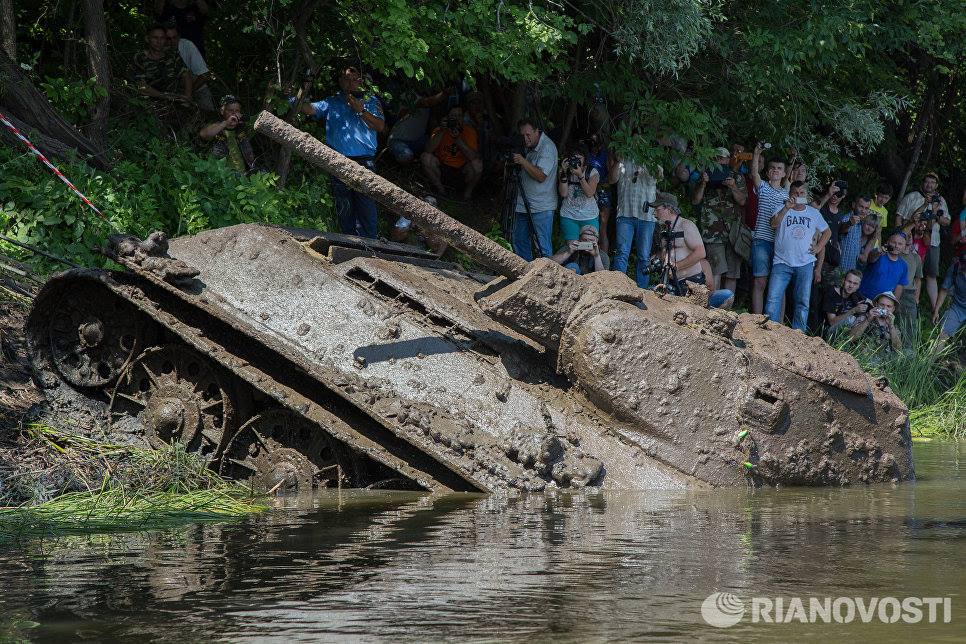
(279, 448)
(177, 395)
(92, 336)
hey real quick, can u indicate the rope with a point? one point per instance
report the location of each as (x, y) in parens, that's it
(33, 149)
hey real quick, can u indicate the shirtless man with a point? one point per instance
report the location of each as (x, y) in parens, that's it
(688, 250)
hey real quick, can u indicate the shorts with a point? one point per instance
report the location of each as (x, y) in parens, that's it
(603, 197)
(723, 259)
(762, 255)
(930, 265)
(953, 320)
(570, 228)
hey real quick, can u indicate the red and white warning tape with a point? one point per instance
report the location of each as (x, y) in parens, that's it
(43, 159)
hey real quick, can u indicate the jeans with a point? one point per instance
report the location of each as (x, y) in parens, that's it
(719, 297)
(781, 276)
(355, 212)
(639, 233)
(762, 253)
(542, 226)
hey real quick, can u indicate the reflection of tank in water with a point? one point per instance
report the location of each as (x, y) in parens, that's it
(297, 357)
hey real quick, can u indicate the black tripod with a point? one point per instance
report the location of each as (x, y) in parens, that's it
(668, 282)
(512, 188)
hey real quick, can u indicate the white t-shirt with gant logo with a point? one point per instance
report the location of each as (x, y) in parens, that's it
(795, 234)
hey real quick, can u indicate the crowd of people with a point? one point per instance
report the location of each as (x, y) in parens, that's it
(827, 261)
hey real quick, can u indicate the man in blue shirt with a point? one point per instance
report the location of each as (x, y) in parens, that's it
(352, 123)
(887, 272)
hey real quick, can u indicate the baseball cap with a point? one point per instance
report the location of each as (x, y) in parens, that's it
(722, 152)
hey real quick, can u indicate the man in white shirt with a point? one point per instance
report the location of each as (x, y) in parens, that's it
(800, 231)
(927, 205)
(195, 62)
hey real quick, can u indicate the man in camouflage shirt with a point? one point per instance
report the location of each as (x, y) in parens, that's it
(719, 198)
(229, 137)
(159, 71)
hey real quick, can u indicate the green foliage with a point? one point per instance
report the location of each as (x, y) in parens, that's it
(73, 98)
(928, 380)
(155, 186)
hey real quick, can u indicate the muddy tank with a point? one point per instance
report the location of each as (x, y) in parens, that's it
(295, 358)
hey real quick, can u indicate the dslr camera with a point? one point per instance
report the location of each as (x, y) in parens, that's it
(511, 145)
(571, 162)
(842, 186)
(453, 124)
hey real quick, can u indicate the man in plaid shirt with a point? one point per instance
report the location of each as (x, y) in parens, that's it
(636, 190)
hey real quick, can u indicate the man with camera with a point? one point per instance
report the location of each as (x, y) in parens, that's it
(231, 141)
(451, 156)
(886, 270)
(352, 123)
(879, 324)
(719, 198)
(800, 233)
(927, 205)
(842, 305)
(583, 255)
(537, 198)
(681, 244)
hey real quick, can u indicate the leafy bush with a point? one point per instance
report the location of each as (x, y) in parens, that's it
(155, 185)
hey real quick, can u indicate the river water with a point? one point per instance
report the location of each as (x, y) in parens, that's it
(391, 566)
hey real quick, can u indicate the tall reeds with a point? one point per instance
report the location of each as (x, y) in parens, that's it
(930, 381)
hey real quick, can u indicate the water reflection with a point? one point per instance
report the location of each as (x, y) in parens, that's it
(600, 566)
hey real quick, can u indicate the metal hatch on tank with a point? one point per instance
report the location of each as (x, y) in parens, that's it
(290, 357)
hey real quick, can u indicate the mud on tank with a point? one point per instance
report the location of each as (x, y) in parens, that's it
(305, 359)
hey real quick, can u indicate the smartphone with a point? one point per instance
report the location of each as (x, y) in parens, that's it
(582, 245)
(801, 201)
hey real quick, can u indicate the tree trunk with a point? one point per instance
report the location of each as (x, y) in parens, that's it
(30, 105)
(48, 146)
(8, 29)
(922, 125)
(568, 125)
(100, 66)
(283, 161)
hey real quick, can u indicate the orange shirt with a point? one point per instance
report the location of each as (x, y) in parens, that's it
(448, 152)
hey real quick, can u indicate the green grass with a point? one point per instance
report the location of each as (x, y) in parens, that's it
(64, 484)
(929, 381)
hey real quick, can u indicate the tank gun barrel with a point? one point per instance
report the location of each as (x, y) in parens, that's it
(361, 179)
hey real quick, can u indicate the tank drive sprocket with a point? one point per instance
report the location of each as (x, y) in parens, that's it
(279, 448)
(92, 337)
(175, 395)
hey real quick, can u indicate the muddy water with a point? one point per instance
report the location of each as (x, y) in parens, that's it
(389, 566)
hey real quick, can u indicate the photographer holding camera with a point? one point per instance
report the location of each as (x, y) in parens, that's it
(577, 186)
(635, 221)
(927, 205)
(886, 270)
(842, 305)
(537, 198)
(879, 325)
(451, 155)
(850, 232)
(352, 123)
(583, 255)
(231, 141)
(719, 197)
